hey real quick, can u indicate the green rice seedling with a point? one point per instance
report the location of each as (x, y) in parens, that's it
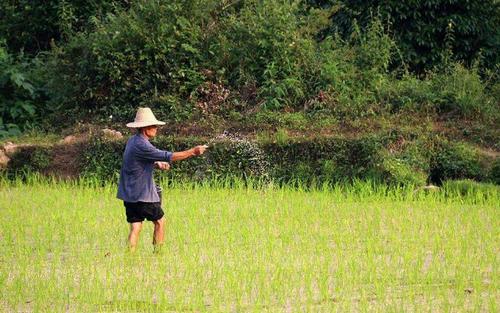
(234, 246)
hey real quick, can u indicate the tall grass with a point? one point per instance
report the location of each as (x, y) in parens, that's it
(267, 249)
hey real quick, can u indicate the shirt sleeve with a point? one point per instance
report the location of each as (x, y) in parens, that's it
(150, 153)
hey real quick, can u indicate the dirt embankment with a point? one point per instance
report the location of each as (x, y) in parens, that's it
(64, 155)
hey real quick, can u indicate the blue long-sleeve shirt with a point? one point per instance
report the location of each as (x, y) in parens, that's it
(136, 176)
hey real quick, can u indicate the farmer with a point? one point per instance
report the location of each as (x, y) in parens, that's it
(136, 187)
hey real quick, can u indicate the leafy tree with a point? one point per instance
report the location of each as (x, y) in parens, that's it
(17, 93)
(427, 30)
(32, 25)
(148, 55)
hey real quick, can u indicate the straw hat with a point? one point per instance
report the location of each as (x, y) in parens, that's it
(143, 118)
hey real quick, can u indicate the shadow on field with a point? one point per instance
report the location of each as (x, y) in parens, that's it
(144, 306)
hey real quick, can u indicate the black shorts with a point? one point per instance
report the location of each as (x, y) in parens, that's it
(138, 211)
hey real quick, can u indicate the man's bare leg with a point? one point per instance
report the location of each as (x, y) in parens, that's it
(159, 233)
(133, 237)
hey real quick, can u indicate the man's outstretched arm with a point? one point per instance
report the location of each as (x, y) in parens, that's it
(198, 150)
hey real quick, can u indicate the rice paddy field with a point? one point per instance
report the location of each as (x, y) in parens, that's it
(352, 248)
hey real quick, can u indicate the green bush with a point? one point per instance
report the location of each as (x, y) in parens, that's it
(238, 158)
(456, 91)
(19, 93)
(426, 30)
(263, 43)
(396, 171)
(29, 25)
(264, 53)
(390, 158)
(324, 160)
(198, 59)
(272, 46)
(407, 93)
(354, 73)
(461, 91)
(146, 56)
(455, 161)
(33, 25)
(234, 158)
(494, 175)
(30, 159)
(405, 157)
(101, 158)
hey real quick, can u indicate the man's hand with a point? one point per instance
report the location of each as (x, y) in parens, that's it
(164, 166)
(199, 150)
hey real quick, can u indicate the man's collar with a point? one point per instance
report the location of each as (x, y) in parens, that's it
(141, 135)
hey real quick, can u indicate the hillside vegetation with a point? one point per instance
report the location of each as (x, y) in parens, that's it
(419, 80)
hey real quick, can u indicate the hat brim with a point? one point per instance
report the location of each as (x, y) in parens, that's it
(144, 124)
